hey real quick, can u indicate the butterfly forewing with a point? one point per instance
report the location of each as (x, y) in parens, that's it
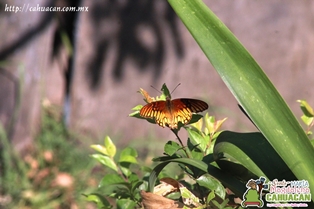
(152, 109)
(195, 105)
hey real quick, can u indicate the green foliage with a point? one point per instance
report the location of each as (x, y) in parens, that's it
(52, 175)
(124, 183)
(307, 118)
(214, 162)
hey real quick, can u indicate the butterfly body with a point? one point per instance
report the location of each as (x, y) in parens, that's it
(171, 112)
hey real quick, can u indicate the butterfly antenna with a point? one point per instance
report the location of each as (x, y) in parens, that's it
(155, 88)
(175, 88)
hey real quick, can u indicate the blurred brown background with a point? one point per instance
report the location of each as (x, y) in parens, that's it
(121, 46)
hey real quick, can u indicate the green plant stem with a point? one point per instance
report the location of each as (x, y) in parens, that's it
(175, 131)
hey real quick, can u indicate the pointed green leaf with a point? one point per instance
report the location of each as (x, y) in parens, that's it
(197, 138)
(210, 196)
(307, 120)
(306, 108)
(187, 194)
(195, 118)
(137, 107)
(171, 148)
(128, 158)
(111, 148)
(136, 112)
(100, 148)
(213, 184)
(99, 199)
(126, 204)
(165, 91)
(113, 185)
(129, 151)
(195, 151)
(209, 123)
(111, 179)
(125, 168)
(105, 160)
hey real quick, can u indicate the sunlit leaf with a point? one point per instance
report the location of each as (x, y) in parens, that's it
(113, 185)
(105, 160)
(165, 91)
(111, 148)
(198, 125)
(111, 179)
(218, 124)
(195, 150)
(195, 118)
(171, 148)
(137, 107)
(126, 204)
(99, 199)
(306, 108)
(210, 123)
(128, 158)
(100, 148)
(129, 151)
(210, 196)
(307, 120)
(197, 138)
(213, 184)
(125, 168)
(188, 197)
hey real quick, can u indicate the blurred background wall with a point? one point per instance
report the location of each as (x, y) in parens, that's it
(91, 64)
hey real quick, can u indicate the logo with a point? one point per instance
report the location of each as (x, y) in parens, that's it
(253, 195)
(279, 193)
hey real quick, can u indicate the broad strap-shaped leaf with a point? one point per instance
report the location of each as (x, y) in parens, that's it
(250, 86)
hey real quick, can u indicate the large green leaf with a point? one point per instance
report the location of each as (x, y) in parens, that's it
(249, 155)
(250, 86)
(99, 199)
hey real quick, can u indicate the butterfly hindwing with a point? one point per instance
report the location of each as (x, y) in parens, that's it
(148, 111)
(156, 110)
(180, 113)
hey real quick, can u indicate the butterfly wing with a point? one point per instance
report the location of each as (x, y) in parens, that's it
(182, 110)
(157, 110)
(179, 113)
(194, 105)
(171, 112)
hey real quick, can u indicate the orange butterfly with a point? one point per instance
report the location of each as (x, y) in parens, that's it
(171, 112)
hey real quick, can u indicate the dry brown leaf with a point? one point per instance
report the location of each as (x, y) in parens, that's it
(167, 186)
(146, 96)
(153, 201)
